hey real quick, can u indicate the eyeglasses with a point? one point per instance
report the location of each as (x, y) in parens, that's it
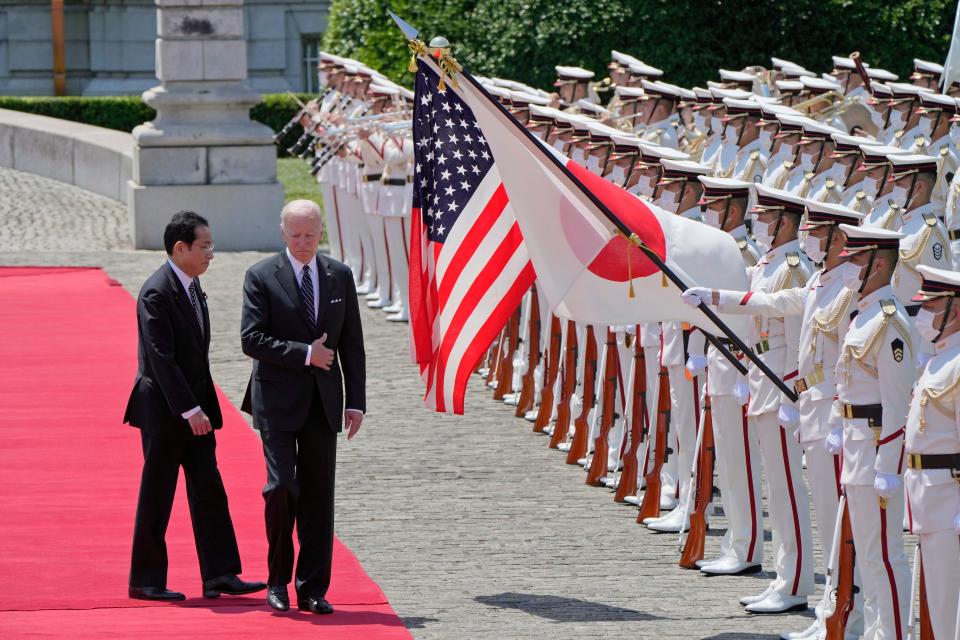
(207, 249)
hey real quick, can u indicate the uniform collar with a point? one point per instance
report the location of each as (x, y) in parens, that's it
(885, 291)
(778, 252)
(740, 233)
(950, 342)
(919, 211)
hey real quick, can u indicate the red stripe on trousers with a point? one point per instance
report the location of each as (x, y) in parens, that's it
(889, 568)
(796, 516)
(754, 525)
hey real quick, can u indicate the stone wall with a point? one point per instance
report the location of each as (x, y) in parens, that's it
(110, 45)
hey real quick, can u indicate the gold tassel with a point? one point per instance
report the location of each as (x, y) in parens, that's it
(417, 48)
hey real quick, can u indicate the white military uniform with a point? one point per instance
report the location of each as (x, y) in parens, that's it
(395, 208)
(781, 268)
(933, 495)
(925, 243)
(875, 371)
(952, 216)
(371, 152)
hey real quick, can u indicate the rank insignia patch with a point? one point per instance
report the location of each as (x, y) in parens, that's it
(937, 251)
(897, 347)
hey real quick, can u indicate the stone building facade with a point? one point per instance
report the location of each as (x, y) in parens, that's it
(110, 45)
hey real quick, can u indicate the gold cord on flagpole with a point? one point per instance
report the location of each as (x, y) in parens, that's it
(417, 48)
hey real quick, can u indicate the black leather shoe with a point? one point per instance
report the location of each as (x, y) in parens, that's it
(230, 585)
(154, 593)
(314, 605)
(277, 598)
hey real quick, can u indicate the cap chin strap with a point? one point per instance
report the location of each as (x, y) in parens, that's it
(943, 324)
(866, 276)
(776, 230)
(833, 227)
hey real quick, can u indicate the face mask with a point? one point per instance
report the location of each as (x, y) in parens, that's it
(667, 200)
(925, 326)
(786, 149)
(593, 164)
(730, 133)
(851, 276)
(811, 247)
(711, 217)
(579, 156)
(870, 186)
(876, 118)
(559, 144)
(806, 161)
(762, 234)
(925, 127)
(896, 119)
(716, 124)
(693, 213)
(617, 175)
(322, 78)
(955, 134)
(899, 195)
(699, 122)
(766, 139)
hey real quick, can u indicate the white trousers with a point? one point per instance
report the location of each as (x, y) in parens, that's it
(941, 573)
(789, 506)
(878, 540)
(738, 472)
(332, 213)
(381, 260)
(684, 416)
(398, 239)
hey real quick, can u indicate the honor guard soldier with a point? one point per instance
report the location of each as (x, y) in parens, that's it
(926, 74)
(573, 84)
(875, 372)
(847, 153)
(661, 119)
(905, 99)
(724, 204)
(776, 339)
(932, 477)
(784, 154)
(751, 162)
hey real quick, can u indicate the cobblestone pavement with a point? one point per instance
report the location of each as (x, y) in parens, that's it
(473, 528)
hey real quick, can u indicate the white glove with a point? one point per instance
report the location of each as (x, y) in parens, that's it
(788, 416)
(576, 402)
(520, 363)
(956, 524)
(834, 442)
(695, 295)
(922, 359)
(741, 391)
(697, 365)
(886, 484)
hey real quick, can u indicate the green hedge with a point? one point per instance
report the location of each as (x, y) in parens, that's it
(688, 39)
(123, 113)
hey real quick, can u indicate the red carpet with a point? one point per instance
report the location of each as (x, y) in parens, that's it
(69, 474)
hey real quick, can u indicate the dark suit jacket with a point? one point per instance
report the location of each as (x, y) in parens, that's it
(275, 332)
(173, 369)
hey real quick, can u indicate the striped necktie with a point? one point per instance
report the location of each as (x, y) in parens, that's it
(306, 293)
(195, 302)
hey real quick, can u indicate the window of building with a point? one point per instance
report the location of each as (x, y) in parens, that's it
(311, 56)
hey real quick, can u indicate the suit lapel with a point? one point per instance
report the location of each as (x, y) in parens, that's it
(325, 280)
(288, 282)
(183, 301)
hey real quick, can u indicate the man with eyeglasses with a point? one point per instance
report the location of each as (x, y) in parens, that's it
(174, 404)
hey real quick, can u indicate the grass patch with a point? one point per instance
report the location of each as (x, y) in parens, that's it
(298, 184)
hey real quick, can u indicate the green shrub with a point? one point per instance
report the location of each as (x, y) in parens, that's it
(688, 39)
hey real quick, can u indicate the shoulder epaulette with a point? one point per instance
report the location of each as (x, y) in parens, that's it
(742, 243)
(888, 306)
(944, 150)
(793, 259)
(754, 154)
(930, 218)
(788, 164)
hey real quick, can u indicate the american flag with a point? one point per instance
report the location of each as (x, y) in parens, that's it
(469, 267)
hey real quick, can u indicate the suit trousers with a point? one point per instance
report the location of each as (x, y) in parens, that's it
(301, 472)
(212, 527)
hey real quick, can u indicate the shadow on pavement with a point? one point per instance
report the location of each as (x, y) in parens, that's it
(560, 609)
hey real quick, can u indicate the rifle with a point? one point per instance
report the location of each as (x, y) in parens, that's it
(650, 506)
(693, 549)
(611, 369)
(638, 396)
(581, 430)
(842, 575)
(550, 374)
(505, 369)
(528, 384)
(568, 386)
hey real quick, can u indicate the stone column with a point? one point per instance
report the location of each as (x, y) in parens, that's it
(202, 152)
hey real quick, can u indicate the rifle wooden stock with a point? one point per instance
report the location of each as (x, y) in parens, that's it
(493, 358)
(528, 383)
(552, 365)
(598, 466)
(631, 464)
(650, 506)
(697, 535)
(505, 369)
(836, 624)
(568, 386)
(581, 433)
(926, 626)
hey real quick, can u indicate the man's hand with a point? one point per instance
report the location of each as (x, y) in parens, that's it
(320, 355)
(788, 416)
(695, 295)
(352, 419)
(200, 423)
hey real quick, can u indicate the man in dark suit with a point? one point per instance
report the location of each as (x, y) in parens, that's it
(174, 404)
(301, 325)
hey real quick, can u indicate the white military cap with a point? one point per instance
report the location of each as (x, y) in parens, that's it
(931, 100)
(770, 199)
(660, 89)
(815, 127)
(600, 131)
(682, 168)
(687, 94)
(542, 114)
(789, 85)
(653, 153)
(928, 67)
(740, 77)
(643, 69)
(867, 238)
(573, 73)
(624, 142)
(905, 164)
(822, 213)
(722, 188)
(882, 75)
(820, 85)
(524, 98)
(628, 94)
(937, 283)
(847, 144)
(779, 63)
(594, 110)
(774, 109)
(841, 62)
(875, 155)
(384, 90)
(905, 89)
(736, 94)
(513, 85)
(406, 93)
(792, 72)
(624, 59)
